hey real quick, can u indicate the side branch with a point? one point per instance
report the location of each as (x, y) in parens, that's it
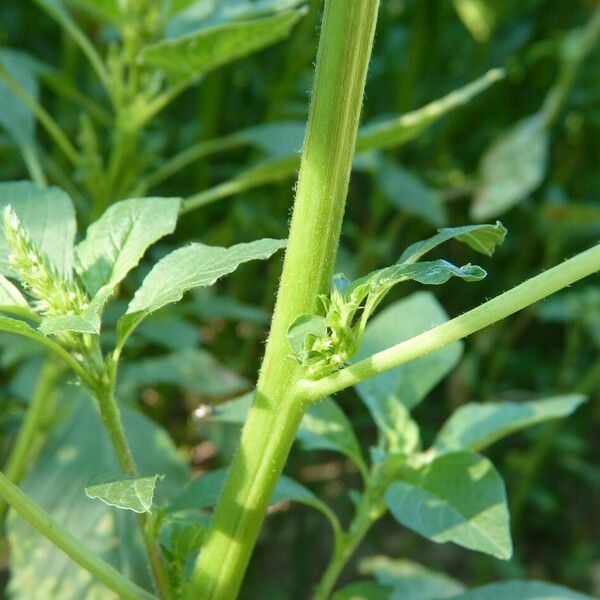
(486, 314)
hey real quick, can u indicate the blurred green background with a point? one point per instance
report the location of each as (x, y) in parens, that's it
(424, 50)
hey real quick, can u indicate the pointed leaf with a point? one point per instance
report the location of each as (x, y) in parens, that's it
(189, 56)
(48, 216)
(477, 426)
(194, 266)
(10, 295)
(512, 168)
(457, 497)
(130, 493)
(481, 238)
(521, 590)
(116, 242)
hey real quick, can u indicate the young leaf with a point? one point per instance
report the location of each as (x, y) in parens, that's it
(48, 216)
(194, 266)
(189, 56)
(481, 238)
(476, 426)
(326, 427)
(512, 168)
(303, 330)
(116, 242)
(521, 590)
(130, 493)
(389, 396)
(410, 580)
(458, 497)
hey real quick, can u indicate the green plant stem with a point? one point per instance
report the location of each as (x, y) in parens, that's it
(54, 131)
(389, 134)
(569, 69)
(486, 314)
(111, 418)
(32, 162)
(20, 455)
(344, 52)
(42, 522)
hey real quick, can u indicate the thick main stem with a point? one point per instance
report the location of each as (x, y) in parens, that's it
(344, 52)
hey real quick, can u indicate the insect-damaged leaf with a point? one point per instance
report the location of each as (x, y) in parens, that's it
(130, 493)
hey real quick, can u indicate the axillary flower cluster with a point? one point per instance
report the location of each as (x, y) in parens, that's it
(52, 293)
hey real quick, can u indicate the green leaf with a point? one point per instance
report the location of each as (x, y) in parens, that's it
(191, 368)
(477, 426)
(15, 116)
(189, 56)
(387, 396)
(513, 167)
(194, 266)
(522, 590)
(10, 295)
(481, 238)
(116, 242)
(303, 329)
(458, 497)
(130, 493)
(409, 194)
(409, 580)
(326, 427)
(48, 216)
(363, 590)
(280, 138)
(78, 448)
(106, 9)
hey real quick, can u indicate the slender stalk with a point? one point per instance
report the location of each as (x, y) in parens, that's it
(111, 417)
(21, 452)
(344, 52)
(54, 131)
(75, 549)
(32, 162)
(486, 314)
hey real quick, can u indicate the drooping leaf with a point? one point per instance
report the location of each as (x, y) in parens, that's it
(191, 55)
(405, 386)
(48, 216)
(481, 238)
(129, 493)
(194, 266)
(409, 194)
(78, 449)
(458, 497)
(522, 590)
(189, 368)
(410, 580)
(116, 242)
(476, 426)
(326, 427)
(513, 167)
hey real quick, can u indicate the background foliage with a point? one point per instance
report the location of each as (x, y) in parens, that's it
(424, 50)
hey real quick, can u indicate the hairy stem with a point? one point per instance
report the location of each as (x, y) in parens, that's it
(42, 522)
(344, 52)
(21, 453)
(486, 314)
